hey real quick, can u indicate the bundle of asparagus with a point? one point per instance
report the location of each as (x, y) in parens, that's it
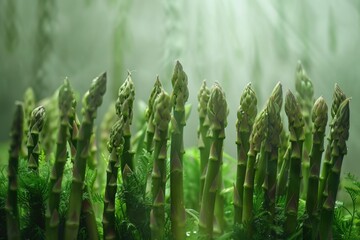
(277, 171)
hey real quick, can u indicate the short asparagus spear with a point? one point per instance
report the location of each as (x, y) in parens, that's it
(12, 211)
(124, 109)
(74, 126)
(179, 97)
(305, 98)
(29, 105)
(272, 144)
(340, 134)
(338, 97)
(162, 116)
(245, 119)
(319, 119)
(33, 144)
(203, 140)
(66, 98)
(92, 100)
(217, 114)
(297, 137)
(257, 136)
(150, 115)
(115, 147)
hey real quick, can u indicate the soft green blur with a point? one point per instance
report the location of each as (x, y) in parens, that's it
(230, 41)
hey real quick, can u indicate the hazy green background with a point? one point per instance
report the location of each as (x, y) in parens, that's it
(229, 41)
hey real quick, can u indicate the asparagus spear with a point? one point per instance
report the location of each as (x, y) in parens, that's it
(179, 97)
(74, 126)
(66, 98)
(161, 111)
(92, 100)
(319, 119)
(33, 144)
(204, 141)
(124, 109)
(257, 136)
(305, 98)
(340, 134)
(29, 105)
(297, 137)
(217, 114)
(115, 147)
(245, 119)
(150, 115)
(12, 211)
(338, 97)
(272, 145)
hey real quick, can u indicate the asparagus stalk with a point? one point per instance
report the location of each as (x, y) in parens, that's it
(179, 97)
(29, 105)
(319, 119)
(150, 130)
(12, 211)
(257, 136)
(340, 134)
(66, 98)
(217, 114)
(115, 147)
(33, 144)
(74, 126)
(272, 145)
(245, 119)
(162, 116)
(305, 98)
(297, 137)
(338, 97)
(37, 209)
(124, 109)
(203, 140)
(48, 134)
(92, 100)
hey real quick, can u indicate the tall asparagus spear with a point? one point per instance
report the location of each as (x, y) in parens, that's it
(37, 208)
(74, 126)
(92, 100)
(257, 136)
(162, 116)
(124, 109)
(217, 114)
(150, 115)
(305, 98)
(297, 137)
(12, 211)
(319, 119)
(204, 141)
(338, 97)
(115, 147)
(340, 134)
(179, 97)
(33, 144)
(245, 119)
(66, 98)
(272, 144)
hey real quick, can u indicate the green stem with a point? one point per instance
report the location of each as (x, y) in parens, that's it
(211, 186)
(92, 100)
(339, 134)
(283, 174)
(296, 128)
(176, 177)
(319, 117)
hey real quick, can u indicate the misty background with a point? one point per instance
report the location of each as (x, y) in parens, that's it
(232, 42)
